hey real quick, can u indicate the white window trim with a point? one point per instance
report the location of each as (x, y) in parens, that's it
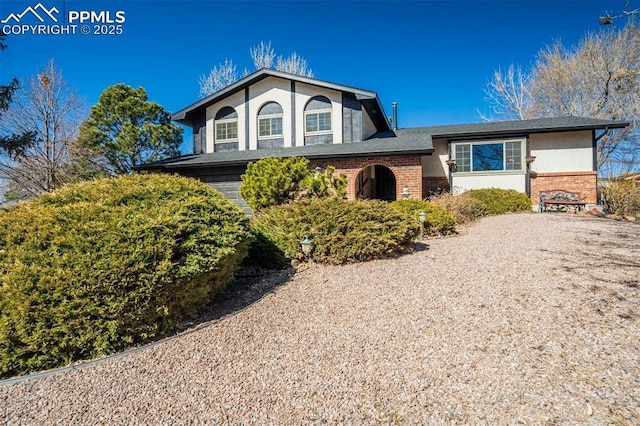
(314, 112)
(270, 116)
(523, 166)
(224, 121)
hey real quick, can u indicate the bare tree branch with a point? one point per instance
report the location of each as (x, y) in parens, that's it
(600, 78)
(294, 64)
(220, 76)
(608, 18)
(508, 94)
(48, 110)
(263, 56)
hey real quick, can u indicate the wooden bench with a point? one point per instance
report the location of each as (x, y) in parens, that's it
(559, 198)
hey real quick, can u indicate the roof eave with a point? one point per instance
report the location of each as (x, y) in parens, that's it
(525, 132)
(320, 156)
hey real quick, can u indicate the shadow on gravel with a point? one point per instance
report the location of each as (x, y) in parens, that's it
(419, 246)
(604, 263)
(250, 285)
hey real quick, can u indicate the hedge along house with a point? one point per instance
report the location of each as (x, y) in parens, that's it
(275, 114)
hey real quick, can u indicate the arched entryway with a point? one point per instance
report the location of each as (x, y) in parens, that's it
(376, 182)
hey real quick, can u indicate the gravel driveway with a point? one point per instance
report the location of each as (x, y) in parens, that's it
(526, 319)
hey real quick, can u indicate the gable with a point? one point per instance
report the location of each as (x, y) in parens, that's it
(369, 99)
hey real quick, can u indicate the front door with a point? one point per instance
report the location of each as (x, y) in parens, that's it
(385, 184)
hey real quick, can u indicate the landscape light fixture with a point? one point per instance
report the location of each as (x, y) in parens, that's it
(305, 243)
(423, 217)
(405, 192)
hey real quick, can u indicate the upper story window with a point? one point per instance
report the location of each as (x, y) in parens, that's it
(226, 125)
(317, 116)
(488, 156)
(270, 121)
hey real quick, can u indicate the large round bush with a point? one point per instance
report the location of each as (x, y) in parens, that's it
(502, 201)
(438, 221)
(342, 231)
(101, 265)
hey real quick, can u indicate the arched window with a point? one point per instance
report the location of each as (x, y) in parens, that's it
(270, 121)
(317, 121)
(317, 115)
(226, 125)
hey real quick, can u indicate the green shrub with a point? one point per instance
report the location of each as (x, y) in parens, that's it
(325, 184)
(98, 266)
(463, 207)
(438, 221)
(275, 181)
(341, 231)
(502, 201)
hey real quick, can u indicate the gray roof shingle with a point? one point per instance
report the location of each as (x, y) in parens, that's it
(537, 125)
(385, 144)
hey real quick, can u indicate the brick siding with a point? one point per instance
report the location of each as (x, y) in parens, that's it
(407, 171)
(582, 182)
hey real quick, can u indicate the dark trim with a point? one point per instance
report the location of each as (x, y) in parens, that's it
(226, 146)
(293, 113)
(199, 134)
(318, 139)
(347, 127)
(450, 171)
(246, 118)
(270, 143)
(527, 168)
(594, 149)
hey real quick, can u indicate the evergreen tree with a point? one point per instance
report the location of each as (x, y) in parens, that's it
(273, 181)
(11, 144)
(125, 129)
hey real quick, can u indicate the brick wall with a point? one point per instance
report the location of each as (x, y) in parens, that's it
(407, 171)
(582, 182)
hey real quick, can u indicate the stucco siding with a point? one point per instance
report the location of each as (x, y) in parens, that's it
(435, 165)
(304, 92)
(503, 181)
(270, 89)
(562, 152)
(368, 128)
(236, 101)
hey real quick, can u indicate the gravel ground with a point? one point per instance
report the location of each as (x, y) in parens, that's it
(526, 319)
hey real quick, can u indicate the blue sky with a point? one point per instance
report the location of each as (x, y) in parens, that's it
(432, 57)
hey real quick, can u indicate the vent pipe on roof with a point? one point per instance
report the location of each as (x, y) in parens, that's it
(395, 115)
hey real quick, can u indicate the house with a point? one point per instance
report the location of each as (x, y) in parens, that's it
(275, 114)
